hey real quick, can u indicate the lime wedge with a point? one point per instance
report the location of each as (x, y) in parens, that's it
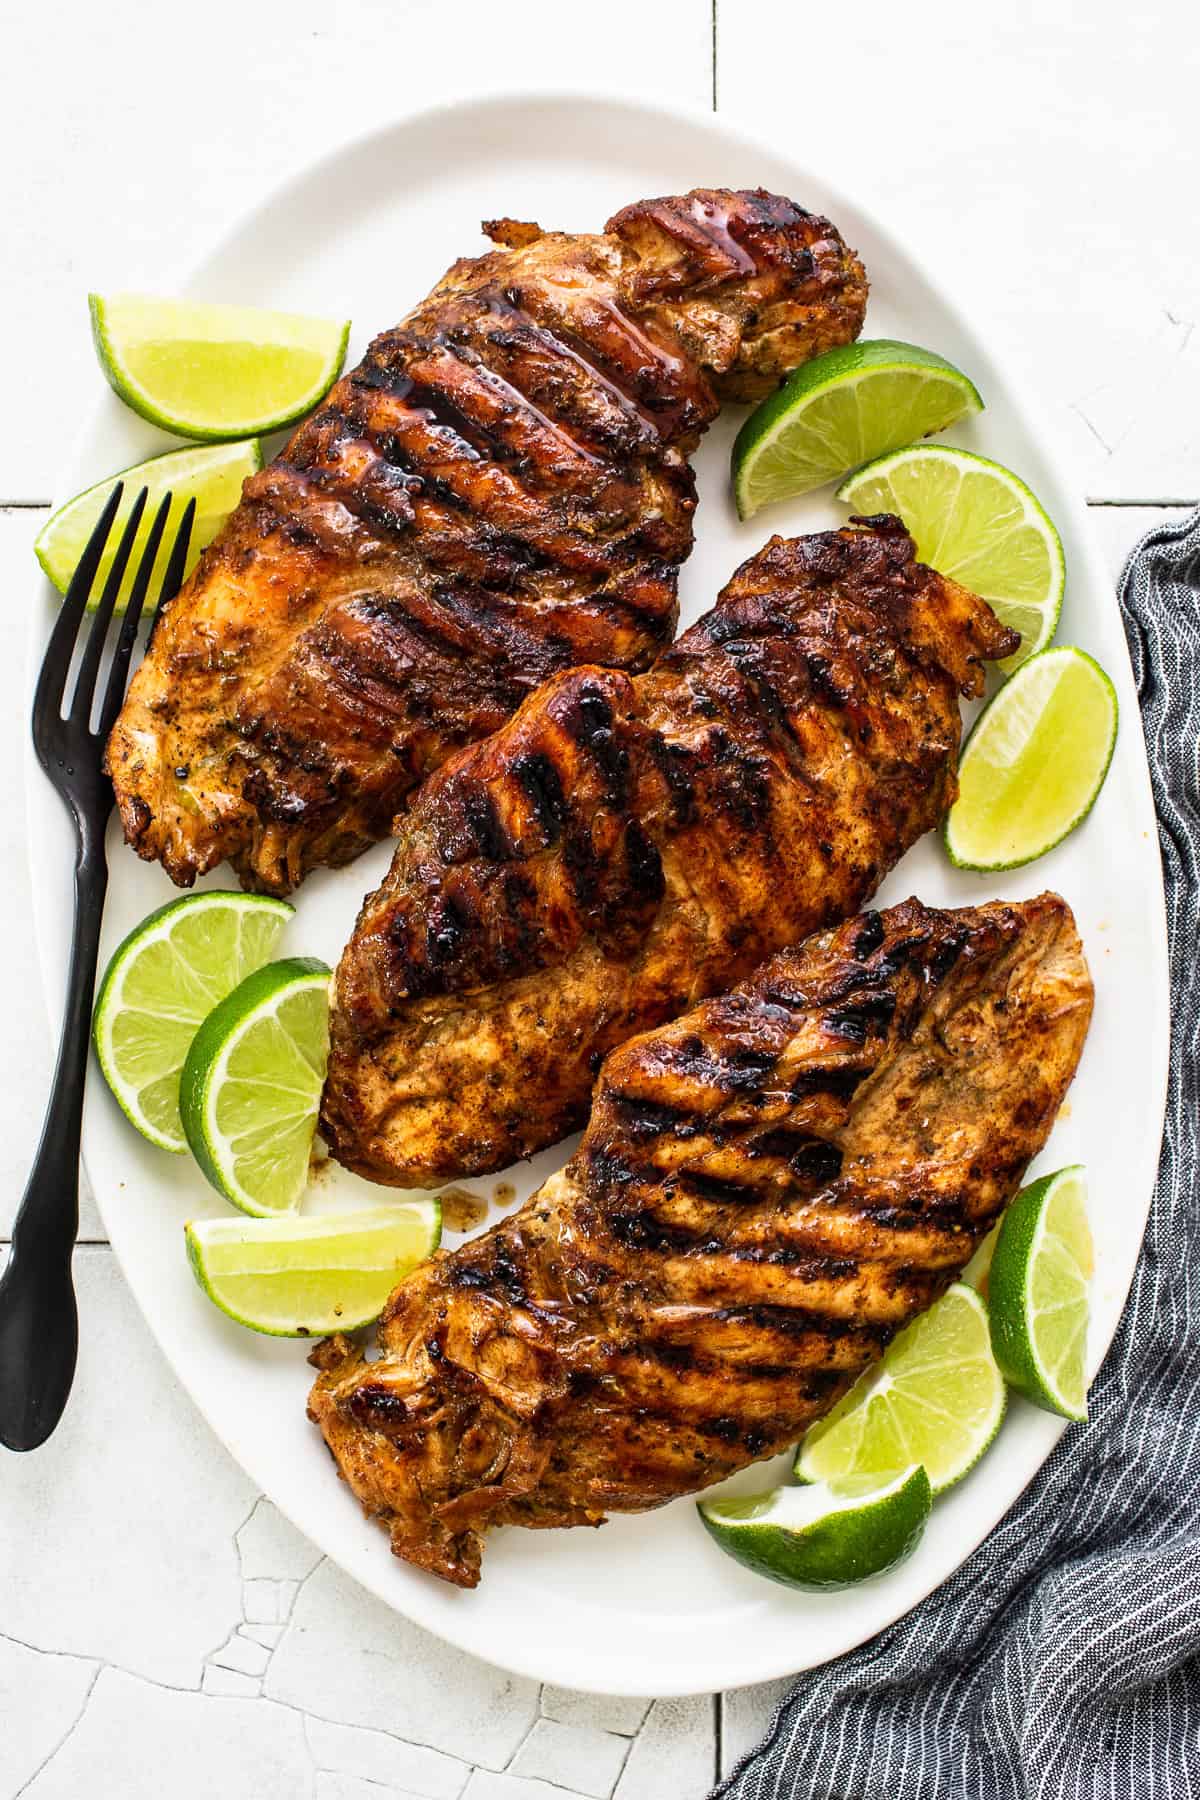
(162, 982)
(828, 1535)
(216, 372)
(1038, 1293)
(977, 522)
(936, 1397)
(295, 1277)
(212, 476)
(1035, 762)
(839, 410)
(252, 1085)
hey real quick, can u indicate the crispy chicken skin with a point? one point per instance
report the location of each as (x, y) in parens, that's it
(769, 1188)
(625, 846)
(499, 490)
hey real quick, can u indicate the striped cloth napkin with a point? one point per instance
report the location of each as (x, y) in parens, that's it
(1062, 1662)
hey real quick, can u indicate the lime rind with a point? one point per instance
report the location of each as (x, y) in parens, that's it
(794, 442)
(1000, 716)
(829, 1535)
(177, 995)
(305, 1277)
(949, 1402)
(212, 474)
(251, 1085)
(188, 329)
(1011, 555)
(1038, 1293)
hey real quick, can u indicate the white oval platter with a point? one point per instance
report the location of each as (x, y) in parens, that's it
(647, 1605)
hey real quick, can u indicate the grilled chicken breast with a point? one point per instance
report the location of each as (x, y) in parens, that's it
(625, 846)
(499, 490)
(769, 1188)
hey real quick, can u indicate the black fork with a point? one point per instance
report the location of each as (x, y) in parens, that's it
(39, 1327)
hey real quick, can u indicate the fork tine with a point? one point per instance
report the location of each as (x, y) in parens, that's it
(93, 650)
(114, 691)
(57, 660)
(173, 579)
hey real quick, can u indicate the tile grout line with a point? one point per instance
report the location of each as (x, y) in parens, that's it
(718, 1735)
(714, 55)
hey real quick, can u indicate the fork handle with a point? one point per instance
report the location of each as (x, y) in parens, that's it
(39, 1326)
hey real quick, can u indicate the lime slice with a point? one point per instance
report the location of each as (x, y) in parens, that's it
(840, 410)
(216, 372)
(162, 982)
(212, 476)
(1035, 762)
(252, 1084)
(295, 1277)
(828, 1535)
(1038, 1293)
(936, 1397)
(978, 523)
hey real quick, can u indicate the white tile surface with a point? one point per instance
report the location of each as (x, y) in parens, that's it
(389, 1675)
(140, 1740)
(159, 1621)
(1046, 155)
(41, 1699)
(572, 1756)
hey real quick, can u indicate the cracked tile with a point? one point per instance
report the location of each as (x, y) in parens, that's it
(228, 1684)
(41, 1697)
(485, 1784)
(267, 1635)
(352, 1787)
(602, 1712)
(673, 1754)
(391, 1676)
(133, 1734)
(572, 1756)
(268, 1602)
(132, 1503)
(271, 1549)
(242, 1654)
(351, 1752)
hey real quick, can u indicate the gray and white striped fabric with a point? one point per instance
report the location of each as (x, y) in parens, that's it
(1063, 1660)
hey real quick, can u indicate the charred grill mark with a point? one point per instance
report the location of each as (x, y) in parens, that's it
(744, 782)
(540, 782)
(377, 1407)
(824, 686)
(433, 404)
(447, 931)
(644, 867)
(644, 1230)
(496, 1271)
(673, 763)
(589, 723)
(483, 821)
(946, 954)
(817, 1162)
(692, 1060)
(721, 1191)
(641, 1118)
(869, 935)
(558, 341)
(792, 1322)
(810, 1159)
(857, 1018)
